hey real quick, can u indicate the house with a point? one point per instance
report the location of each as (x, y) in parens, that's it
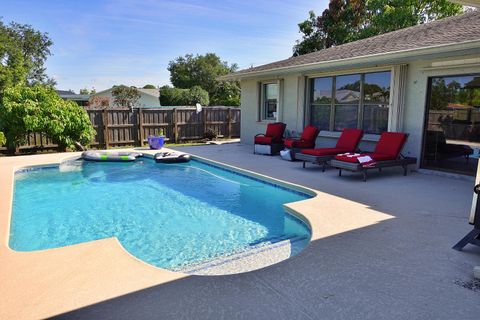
(149, 98)
(400, 81)
(80, 99)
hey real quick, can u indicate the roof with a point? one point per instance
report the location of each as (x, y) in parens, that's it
(151, 92)
(65, 92)
(453, 30)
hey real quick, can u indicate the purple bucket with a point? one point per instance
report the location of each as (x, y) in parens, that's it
(155, 142)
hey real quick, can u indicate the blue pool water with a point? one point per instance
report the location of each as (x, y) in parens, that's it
(168, 215)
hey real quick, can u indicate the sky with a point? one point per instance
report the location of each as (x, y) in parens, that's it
(98, 44)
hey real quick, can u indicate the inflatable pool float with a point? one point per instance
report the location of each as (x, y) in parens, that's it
(171, 157)
(110, 156)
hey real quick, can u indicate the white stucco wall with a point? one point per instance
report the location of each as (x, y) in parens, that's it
(294, 107)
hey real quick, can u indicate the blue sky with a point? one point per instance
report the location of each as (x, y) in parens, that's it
(102, 43)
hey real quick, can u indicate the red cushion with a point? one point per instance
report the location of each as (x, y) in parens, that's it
(391, 143)
(324, 151)
(275, 131)
(381, 156)
(263, 140)
(374, 156)
(346, 159)
(310, 134)
(349, 139)
(294, 143)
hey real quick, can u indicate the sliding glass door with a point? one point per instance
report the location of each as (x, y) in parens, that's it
(452, 129)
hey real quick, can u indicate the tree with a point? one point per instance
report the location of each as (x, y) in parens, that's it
(227, 94)
(149, 86)
(345, 21)
(124, 96)
(40, 109)
(183, 97)
(384, 16)
(99, 102)
(196, 95)
(311, 38)
(12, 68)
(86, 91)
(34, 48)
(2, 139)
(204, 70)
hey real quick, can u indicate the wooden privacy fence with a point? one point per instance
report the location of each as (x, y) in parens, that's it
(121, 127)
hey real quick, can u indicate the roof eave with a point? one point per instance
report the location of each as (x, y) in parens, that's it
(389, 56)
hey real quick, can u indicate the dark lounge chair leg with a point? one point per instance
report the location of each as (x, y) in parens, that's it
(379, 169)
(323, 167)
(364, 175)
(472, 237)
(339, 172)
(404, 170)
(304, 164)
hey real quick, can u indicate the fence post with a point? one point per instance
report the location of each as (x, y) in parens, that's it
(204, 119)
(175, 128)
(229, 123)
(105, 127)
(140, 126)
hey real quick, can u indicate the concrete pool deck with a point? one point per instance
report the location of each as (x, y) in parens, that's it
(380, 250)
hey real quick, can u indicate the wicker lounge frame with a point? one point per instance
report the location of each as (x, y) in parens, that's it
(357, 167)
(320, 160)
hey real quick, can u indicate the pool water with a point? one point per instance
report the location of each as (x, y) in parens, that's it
(168, 215)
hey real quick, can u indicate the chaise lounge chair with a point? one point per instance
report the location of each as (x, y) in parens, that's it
(348, 142)
(386, 154)
(272, 141)
(306, 140)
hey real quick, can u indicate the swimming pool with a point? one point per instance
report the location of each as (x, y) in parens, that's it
(170, 216)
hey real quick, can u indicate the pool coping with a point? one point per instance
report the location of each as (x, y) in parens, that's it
(101, 267)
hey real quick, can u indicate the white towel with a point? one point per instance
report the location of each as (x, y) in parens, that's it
(364, 159)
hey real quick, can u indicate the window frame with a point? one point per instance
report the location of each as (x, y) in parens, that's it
(361, 104)
(263, 101)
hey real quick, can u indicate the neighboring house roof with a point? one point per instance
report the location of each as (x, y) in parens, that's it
(454, 30)
(150, 92)
(70, 95)
(65, 92)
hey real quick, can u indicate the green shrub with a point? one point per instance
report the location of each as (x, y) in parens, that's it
(2, 139)
(39, 109)
(183, 97)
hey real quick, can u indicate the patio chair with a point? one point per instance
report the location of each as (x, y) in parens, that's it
(271, 142)
(348, 142)
(386, 154)
(306, 140)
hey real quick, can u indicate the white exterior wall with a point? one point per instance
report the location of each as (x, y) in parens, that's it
(293, 106)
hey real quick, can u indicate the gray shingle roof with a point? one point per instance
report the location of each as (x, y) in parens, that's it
(457, 29)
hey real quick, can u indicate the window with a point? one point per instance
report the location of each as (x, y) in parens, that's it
(452, 128)
(347, 98)
(351, 101)
(321, 101)
(270, 101)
